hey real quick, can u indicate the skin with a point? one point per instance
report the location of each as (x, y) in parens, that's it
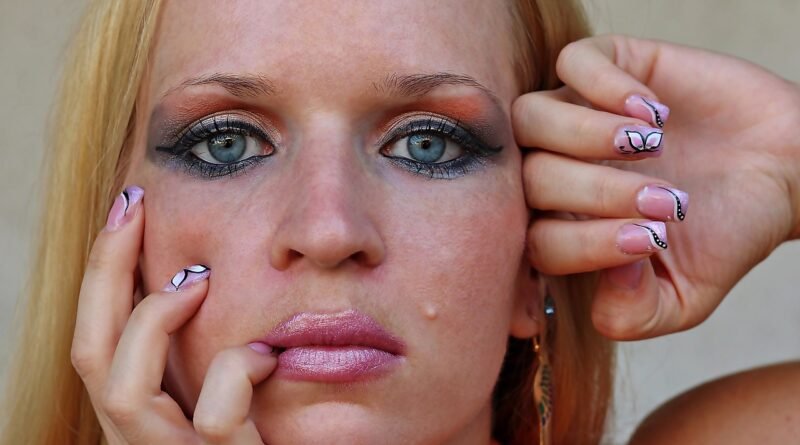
(328, 224)
(754, 406)
(341, 219)
(751, 139)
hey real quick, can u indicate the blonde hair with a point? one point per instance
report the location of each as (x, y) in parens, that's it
(47, 403)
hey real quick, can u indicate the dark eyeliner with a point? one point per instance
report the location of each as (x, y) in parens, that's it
(178, 153)
(477, 151)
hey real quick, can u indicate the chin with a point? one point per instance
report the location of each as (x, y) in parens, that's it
(330, 423)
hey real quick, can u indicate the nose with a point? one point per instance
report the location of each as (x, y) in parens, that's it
(330, 220)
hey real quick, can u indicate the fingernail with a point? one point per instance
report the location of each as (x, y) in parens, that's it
(188, 277)
(261, 348)
(124, 205)
(664, 203)
(647, 110)
(643, 237)
(639, 140)
(627, 277)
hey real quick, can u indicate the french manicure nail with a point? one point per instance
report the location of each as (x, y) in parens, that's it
(628, 276)
(261, 348)
(665, 203)
(636, 139)
(188, 277)
(647, 110)
(124, 204)
(641, 238)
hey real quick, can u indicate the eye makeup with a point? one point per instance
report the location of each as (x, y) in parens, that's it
(178, 150)
(475, 150)
(241, 140)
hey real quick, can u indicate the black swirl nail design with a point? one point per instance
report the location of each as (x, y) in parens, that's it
(647, 110)
(189, 275)
(655, 240)
(126, 199)
(656, 114)
(679, 212)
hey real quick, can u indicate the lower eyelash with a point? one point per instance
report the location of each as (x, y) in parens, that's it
(453, 169)
(193, 166)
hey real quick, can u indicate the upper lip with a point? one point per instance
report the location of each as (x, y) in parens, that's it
(346, 328)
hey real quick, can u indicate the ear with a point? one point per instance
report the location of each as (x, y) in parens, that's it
(527, 317)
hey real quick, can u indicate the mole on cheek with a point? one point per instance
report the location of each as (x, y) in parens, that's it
(429, 311)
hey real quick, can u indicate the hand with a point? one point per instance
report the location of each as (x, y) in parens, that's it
(120, 353)
(732, 142)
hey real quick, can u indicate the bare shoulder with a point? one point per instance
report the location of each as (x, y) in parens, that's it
(757, 406)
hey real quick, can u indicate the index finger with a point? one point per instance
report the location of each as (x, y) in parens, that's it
(106, 296)
(610, 72)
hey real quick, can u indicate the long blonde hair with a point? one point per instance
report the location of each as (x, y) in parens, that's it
(46, 402)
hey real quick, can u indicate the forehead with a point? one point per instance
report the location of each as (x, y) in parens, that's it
(329, 47)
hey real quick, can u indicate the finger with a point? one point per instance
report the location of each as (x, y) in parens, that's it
(640, 300)
(140, 359)
(620, 65)
(598, 190)
(106, 294)
(626, 301)
(559, 247)
(221, 414)
(545, 121)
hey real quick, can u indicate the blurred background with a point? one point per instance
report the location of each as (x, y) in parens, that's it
(758, 323)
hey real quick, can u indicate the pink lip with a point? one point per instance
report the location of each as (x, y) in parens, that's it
(335, 348)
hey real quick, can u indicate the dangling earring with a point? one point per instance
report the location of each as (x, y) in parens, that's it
(543, 380)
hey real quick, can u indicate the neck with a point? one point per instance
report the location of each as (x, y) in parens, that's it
(477, 432)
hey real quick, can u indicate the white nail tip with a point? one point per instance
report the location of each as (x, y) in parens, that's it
(186, 274)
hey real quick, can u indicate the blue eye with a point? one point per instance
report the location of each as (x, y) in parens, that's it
(436, 147)
(219, 146)
(227, 147)
(426, 147)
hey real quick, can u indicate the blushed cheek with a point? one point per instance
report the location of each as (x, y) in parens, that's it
(174, 236)
(186, 224)
(459, 249)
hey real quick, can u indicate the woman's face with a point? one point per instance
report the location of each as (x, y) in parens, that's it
(335, 163)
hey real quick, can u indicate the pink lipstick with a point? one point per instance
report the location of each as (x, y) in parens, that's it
(334, 348)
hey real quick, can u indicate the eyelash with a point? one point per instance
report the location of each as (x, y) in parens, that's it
(476, 151)
(180, 154)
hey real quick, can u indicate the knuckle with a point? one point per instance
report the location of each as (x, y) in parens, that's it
(212, 427)
(615, 326)
(83, 361)
(520, 107)
(229, 363)
(593, 255)
(585, 129)
(523, 118)
(118, 405)
(602, 195)
(536, 234)
(567, 54)
(536, 171)
(148, 312)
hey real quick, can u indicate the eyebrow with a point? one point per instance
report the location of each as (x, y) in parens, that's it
(410, 85)
(239, 85)
(416, 85)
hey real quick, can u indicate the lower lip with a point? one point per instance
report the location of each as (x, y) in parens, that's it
(334, 364)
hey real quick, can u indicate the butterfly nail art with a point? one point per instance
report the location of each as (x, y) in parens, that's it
(640, 140)
(188, 276)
